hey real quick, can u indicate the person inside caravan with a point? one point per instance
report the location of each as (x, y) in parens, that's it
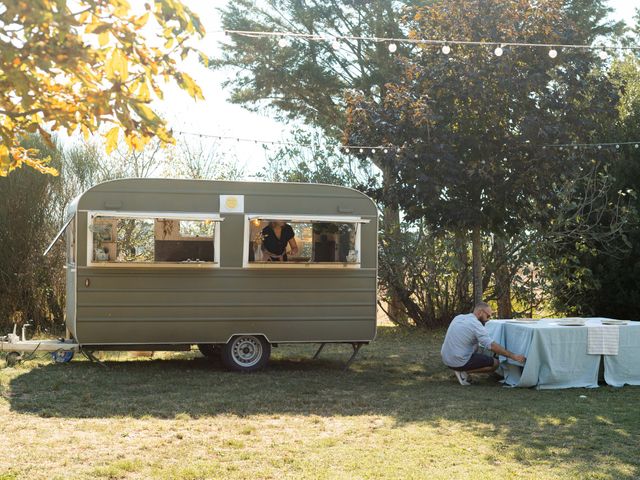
(275, 238)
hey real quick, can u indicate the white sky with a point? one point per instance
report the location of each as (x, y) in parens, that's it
(216, 116)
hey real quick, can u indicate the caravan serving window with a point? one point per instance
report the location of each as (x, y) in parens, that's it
(329, 241)
(162, 239)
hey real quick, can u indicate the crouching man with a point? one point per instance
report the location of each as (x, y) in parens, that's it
(464, 335)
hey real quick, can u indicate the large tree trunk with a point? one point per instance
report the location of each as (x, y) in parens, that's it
(476, 252)
(391, 229)
(463, 300)
(503, 281)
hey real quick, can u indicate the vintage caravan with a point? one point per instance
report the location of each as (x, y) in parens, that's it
(166, 264)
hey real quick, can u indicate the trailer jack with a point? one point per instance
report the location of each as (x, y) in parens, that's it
(356, 348)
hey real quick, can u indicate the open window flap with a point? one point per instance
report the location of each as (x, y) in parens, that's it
(64, 227)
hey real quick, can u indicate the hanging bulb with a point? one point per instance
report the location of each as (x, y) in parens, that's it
(386, 150)
(346, 150)
(498, 51)
(362, 150)
(446, 49)
(393, 47)
(373, 150)
(283, 42)
(553, 53)
(603, 54)
(335, 44)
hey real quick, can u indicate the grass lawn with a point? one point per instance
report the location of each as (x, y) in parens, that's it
(398, 413)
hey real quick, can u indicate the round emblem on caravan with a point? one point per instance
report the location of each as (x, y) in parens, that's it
(231, 203)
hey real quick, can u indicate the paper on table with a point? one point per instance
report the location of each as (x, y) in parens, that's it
(603, 340)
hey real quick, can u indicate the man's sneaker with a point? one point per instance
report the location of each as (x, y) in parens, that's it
(462, 377)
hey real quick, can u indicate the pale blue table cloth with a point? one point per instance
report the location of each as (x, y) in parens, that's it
(557, 355)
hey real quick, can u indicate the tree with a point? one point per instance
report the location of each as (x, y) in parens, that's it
(76, 66)
(472, 126)
(31, 287)
(309, 80)
(593, 260)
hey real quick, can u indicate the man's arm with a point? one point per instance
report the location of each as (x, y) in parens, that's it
(500, 350)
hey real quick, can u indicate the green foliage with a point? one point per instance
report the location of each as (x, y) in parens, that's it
(593, 260)
(428, 272)
(31, 287)
(472, 125)
(308, 80)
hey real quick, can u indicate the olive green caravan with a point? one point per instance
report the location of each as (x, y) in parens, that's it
(187, 303)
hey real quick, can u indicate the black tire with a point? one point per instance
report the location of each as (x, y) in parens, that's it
(210, 350)
(246, 353)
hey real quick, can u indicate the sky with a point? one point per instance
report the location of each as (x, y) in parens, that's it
(217, 116)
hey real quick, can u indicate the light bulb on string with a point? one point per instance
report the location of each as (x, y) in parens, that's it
(603, 54)
(386, 150)
(373, 150)
(362, 150)
(446, 49)
(393, 47)
(553, 53)
(346, 150)
(636, 145)
(283, 42)
(498, 51)
(335, 44)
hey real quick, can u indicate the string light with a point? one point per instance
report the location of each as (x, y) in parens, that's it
(335, 44)
(446, 49)
(426, 41)
(283, 42)
(398, 149)
(553, 53)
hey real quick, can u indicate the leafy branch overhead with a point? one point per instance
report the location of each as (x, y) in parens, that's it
(76, 66)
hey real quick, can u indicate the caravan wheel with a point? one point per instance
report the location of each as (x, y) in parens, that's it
(246, 353)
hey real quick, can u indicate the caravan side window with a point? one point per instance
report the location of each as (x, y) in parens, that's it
(154, 240)
(326, 242)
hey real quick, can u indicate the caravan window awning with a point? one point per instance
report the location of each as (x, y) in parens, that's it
(59, 234)
(310, 218)
(172, 215)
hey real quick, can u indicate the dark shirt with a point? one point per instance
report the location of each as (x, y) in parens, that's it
(274, 244)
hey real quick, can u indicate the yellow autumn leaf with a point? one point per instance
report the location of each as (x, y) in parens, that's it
(103, 38)
(146, 113)
(112, 139)
(141, 21)
(5, 161)
(191, 86)
(143, 91)
(117, 64)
